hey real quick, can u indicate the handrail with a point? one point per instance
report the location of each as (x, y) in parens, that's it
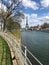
(26, 58)
(33, 55)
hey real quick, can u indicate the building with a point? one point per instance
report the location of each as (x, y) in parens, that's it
(27, 26)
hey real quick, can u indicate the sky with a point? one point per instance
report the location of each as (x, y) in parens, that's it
(37, 12)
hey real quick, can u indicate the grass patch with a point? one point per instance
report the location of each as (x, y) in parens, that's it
(16, 33)
(5, 56)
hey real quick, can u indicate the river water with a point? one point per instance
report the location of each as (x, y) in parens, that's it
(38, 43)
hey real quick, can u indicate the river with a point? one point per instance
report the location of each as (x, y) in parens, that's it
(38, 43)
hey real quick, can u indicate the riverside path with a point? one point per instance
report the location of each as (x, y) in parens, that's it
(15, 49)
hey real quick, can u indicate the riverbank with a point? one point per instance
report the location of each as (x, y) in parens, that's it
(41, 30)
(45, 31)
(15, 46)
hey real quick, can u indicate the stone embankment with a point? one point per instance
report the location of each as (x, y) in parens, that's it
(15, 49)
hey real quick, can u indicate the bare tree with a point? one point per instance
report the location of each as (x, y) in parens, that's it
(13, 8)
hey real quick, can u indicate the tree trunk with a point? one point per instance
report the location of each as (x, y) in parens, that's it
(4, 25)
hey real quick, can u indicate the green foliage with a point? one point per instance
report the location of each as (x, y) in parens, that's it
(13, 27)
(10, 24)
(16, 33)
(45, 25)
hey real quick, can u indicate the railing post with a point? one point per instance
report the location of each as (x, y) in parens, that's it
(25, 55)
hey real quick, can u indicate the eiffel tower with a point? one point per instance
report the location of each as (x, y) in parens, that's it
(27, 26)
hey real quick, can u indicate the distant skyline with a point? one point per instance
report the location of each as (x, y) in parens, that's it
(37, 12)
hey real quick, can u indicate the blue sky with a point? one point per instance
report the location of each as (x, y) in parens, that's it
(37, 12)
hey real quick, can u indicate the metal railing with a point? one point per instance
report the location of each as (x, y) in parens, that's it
(25, 51)
(26, 58)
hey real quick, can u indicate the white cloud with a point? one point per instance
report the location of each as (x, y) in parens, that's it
(30, 4)
(31, 20)
(34, 20)
(47, 17)
(10, 2)
(0, 5)
(44, 19)
(33, 15)
(45, 3)
(3, 7)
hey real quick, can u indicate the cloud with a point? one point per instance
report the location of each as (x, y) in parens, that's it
(30, 4)
(3, 7)
(45, 3)
(0, 5)
(10, 2)
(34, 20)
(31, 19)
(33, 16)
(44, 19)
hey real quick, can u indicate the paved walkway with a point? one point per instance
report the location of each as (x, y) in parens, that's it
(15, 48)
